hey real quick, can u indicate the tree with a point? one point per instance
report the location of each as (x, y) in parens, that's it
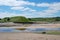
(29, 19)
(57, 19)
(0, 18)
(6, 19)
(43, 32)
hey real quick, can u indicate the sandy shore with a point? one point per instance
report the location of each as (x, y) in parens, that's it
(27, 36)
(45, 26)
(57, 25)
(38, 26)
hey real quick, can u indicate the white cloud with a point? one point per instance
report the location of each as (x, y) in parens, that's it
(29, 9)
(53, 8)
(17, 8)
(18, 5)
(32, 10)
(43, 5)
(23, 9)
(15, 3)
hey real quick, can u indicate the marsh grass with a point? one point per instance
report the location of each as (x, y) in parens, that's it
(49, 32)
(20, 28)
(53, 32)
(27, 25)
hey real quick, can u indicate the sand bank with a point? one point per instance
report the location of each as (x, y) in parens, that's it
(27, 36)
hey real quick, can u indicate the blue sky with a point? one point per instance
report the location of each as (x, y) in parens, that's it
(30, 8)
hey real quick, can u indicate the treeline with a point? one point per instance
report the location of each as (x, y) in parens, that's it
(24, 19)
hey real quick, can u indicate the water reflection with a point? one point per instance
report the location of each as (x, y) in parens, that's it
(2, 29)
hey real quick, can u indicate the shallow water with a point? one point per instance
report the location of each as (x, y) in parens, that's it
(6, 29)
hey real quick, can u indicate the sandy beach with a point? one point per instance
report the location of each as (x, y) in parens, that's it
(27, 36)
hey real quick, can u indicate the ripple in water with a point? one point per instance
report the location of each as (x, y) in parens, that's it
(27, 30)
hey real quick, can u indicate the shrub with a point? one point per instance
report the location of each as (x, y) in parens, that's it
(43, 32)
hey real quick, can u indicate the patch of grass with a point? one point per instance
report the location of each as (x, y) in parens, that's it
(20, 28)
(49, 32)
(54, 32)
(27, 25)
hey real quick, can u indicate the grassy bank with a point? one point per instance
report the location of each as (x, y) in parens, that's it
(54, 32)
(49, 32)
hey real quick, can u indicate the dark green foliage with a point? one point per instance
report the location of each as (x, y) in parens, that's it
(0, 18)
(29, 18)
(43, 32)
(57, 18)
(6, 19)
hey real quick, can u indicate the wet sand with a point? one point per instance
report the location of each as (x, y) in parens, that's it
(27, 36)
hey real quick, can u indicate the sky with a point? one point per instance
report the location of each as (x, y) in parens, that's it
(30, 8)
